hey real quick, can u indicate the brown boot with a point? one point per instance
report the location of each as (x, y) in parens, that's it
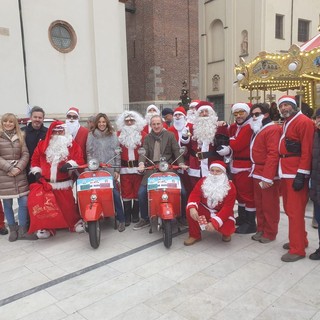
(190, 241)
(24, 235)
(13, 235)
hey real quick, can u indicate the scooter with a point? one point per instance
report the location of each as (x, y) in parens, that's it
(95, 197)
(164, 195)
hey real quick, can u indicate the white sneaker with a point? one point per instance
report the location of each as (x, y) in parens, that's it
(79, 227)
(43, 234)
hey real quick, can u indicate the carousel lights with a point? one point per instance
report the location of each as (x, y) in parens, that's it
(240, 76)
(292, 66)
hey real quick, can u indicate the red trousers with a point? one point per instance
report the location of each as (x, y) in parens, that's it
(1, 216)
(244, 186)
(267, 202)
(294, 204)
(67, 204)
(130, 184)
(227, 229)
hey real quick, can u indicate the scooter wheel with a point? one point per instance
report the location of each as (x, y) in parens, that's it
(94, 233)
(167, 233)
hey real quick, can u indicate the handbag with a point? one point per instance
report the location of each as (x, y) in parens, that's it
(43, 209)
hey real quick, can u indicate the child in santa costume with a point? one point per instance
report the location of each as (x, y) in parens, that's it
(213, 197)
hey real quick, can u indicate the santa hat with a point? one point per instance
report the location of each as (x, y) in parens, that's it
(74, 110)
(152, 106)
(204, 105)
(180, 110)
(54, 126)
(288, 99)
(194, 103)
(219, 164)
(241, 106)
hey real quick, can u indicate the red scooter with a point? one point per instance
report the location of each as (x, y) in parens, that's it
(95, 197)
(164, 195)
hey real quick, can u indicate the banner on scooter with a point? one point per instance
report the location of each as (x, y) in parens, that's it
(94, 183)
(161, 182)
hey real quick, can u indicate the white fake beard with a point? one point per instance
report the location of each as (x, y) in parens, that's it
(215, 188)
(73, 127)
(205, 128)
(191, 115)
(149, 115)
(57, 150)
(130, 137)
(179, 124)
(256, 125)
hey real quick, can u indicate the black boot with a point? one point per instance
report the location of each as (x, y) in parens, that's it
(135, 211)
(250, 224)
(127, 206)
(241, 218)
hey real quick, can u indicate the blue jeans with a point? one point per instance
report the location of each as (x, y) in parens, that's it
(22, 211)
(143, 201)
(118, 205)
(316, 208)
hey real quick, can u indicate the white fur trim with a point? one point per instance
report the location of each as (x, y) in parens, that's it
(61, 185)
(73, 163)
(152, 106)
(35, 170)
(193, 205)
(218, 220)
(287, 99)
(218, 165)
(204, 108)
(240, 106)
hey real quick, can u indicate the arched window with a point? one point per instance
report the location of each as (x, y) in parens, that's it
(216, 41)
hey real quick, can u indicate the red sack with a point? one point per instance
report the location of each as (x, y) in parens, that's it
(43, 208)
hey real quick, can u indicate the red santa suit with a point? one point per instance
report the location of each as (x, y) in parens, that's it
(61, 182)
(265, 159)
(81, 139)
(221, 216)
(240, 165)
(298, 128)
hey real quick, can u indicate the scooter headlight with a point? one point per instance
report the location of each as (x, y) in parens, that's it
(93, 164)
(163, 166)
(93, 197)
(165, 197)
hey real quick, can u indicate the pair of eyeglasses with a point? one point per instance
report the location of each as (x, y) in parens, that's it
(256, 114)
(69, 116)
(238, 113)
(129, 120)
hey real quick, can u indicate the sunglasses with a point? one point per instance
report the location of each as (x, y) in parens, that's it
(129, 120)
(256, 114)
(69, 116)
(239, 113)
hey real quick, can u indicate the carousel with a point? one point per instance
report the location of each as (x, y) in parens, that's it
(296, 72)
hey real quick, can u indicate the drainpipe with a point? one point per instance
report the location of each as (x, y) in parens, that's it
(23, 52)
(291, 23)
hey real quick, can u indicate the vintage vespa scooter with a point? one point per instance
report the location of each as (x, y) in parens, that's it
(164, 195)
(95, 197)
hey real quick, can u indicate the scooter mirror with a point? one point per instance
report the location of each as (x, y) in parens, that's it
(118, 151)
(182, 150)
(142, 151)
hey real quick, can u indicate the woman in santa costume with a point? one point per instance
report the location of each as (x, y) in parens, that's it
(51, 160)
(213, 197)
(131, 136)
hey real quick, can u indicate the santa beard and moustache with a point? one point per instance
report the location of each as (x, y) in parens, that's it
(179, 124)
(215, 188)
(73, 127)
(149, 115)
(205, 128)
(256, 124)
(130, 137)
(57, 149)
(191, 115)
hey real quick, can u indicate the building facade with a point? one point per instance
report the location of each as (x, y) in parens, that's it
(58, 53)
(163, 51)
(240, 29)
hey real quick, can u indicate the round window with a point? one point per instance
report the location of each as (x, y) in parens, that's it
(62, 36)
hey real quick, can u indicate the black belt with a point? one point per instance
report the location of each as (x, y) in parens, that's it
(67, 179)
(290, 155)
(129, 163)
(240, 158)
(204, 155)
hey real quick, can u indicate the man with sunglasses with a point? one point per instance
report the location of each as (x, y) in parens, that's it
(78, 132)
(239, 149)
(265, 159)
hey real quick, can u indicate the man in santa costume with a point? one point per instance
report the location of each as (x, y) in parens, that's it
(213, 197)
(131, 136)
(265, 159)
(191, 113)
(295, 148)
(78, 132)
(51, 160)
(151, 111)
(207, 135)
(239, 150)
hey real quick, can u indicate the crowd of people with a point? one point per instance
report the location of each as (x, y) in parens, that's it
(252, 162)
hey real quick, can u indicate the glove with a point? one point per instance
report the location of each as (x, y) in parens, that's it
(185, 133)
(37, 176)
(298, 182)
(223, 150)
(65, 167)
